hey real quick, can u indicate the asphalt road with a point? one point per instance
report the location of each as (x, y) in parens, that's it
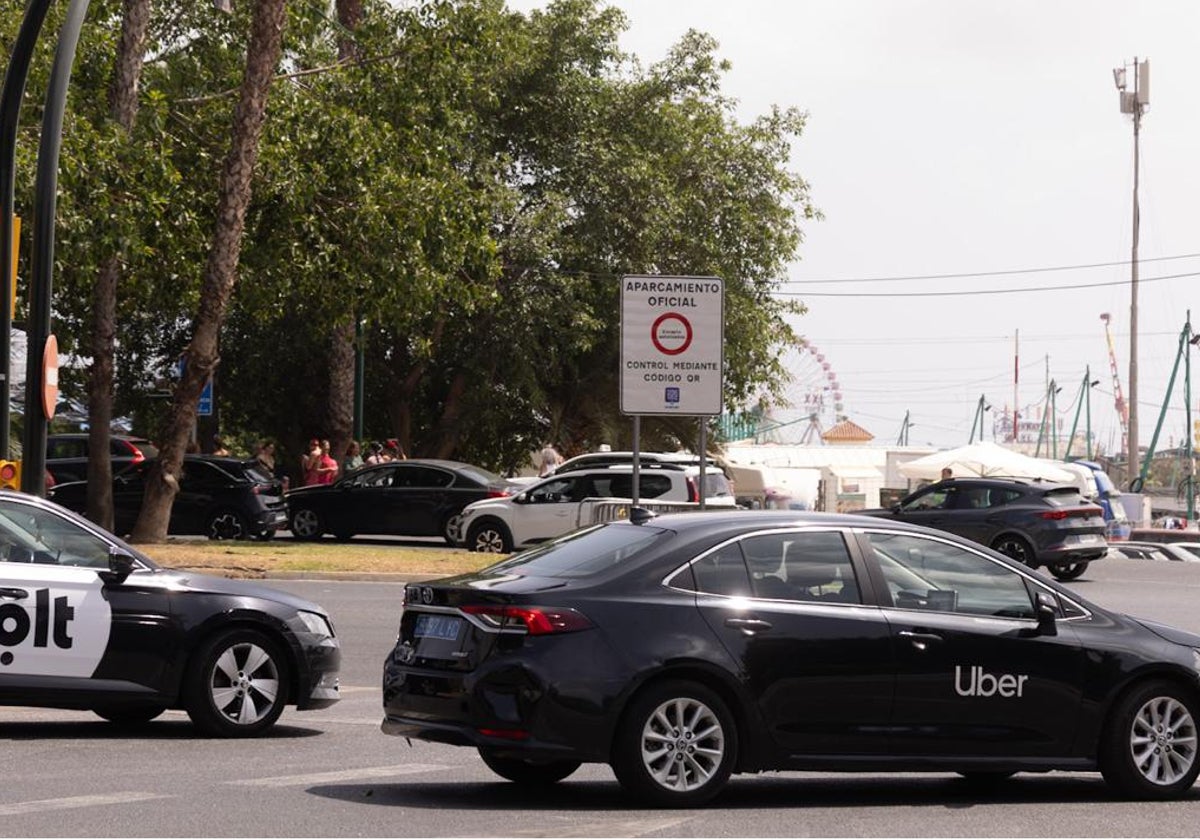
(331, 773)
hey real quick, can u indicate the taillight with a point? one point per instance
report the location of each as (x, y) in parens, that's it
(497, 493)
(1053, 514)
(693, 493)
(538, 621)
(1067, 514)
(138, 455)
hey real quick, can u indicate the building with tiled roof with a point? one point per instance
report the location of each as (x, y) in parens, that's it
(846, 431)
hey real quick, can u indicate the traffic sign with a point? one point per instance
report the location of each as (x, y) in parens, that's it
(672, 344)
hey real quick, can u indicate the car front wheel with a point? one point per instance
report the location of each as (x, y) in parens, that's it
(237, 684)
(676, 745)
(1149, 747)
(529, 773)
(451, 528)
(490, 537)
(1017, 548)
(306, 524)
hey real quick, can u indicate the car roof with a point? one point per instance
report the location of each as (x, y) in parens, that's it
(737, 519)
(1032, 483)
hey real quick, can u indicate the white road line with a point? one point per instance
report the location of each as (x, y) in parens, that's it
(39, 805)
(343, 775)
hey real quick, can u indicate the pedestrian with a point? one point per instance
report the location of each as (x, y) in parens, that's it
(353, 458)
(550, 460)
(375, 455)
(309, 462)
(947, 473)
(327, 467)
(219, 447)
(265, 456)
(394, 451)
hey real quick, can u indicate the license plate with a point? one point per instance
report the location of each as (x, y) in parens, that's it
(437, 627)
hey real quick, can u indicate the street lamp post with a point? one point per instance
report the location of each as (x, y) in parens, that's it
(1135, 103)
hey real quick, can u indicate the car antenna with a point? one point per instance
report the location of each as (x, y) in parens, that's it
(640, 515)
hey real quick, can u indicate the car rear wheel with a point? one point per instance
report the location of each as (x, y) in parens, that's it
(676, 745)
(1068, 571)
(130, 715)
(227, 525)
(1018, 548)
(489, 536)
(1149, 746)
(450, 529)
(530, 773)
(306, 524)
(237, 685)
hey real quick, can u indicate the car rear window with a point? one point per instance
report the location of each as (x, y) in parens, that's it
(480, 476)
(582, 553)
(1063, 496)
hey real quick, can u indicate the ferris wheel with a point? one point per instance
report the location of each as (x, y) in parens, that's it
(812, 398)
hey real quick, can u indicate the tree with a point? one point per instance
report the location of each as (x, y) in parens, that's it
(220, 271)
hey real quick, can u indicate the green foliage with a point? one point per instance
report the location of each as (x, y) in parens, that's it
(471, 189)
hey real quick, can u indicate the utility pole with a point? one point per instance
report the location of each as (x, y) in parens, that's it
(1135, 103)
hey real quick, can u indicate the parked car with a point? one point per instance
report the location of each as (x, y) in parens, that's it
(1034, 522)
(413, 498)
(89, 622)
(554, 505)
(224, 498)
(1094, 485)
(67, 454)
(605, 459)
(1178, 552)
(683, 648)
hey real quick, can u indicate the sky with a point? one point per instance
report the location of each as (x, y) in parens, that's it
(953, 137)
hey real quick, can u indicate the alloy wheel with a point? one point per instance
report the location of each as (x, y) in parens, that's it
(244, 686)
(1162, 740)
(683, 744)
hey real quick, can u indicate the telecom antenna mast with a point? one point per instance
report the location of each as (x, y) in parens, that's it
(1122, 407)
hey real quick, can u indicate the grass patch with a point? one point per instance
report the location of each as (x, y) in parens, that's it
(259, 559)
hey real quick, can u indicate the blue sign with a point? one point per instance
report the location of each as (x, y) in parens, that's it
(204, 408)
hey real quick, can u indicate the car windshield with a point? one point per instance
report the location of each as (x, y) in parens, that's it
(480, 475)
(581, 553)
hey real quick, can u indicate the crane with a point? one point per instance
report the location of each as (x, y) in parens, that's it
(1122, 408)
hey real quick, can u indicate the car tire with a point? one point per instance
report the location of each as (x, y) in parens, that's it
(1018, 548)
(1149, 747)
(237, 684)
(227, 525)
(130, 715)
(528, 773)
(676, 745)
(306, 524)
(450, 529)
(489, 535)
(1068, 571)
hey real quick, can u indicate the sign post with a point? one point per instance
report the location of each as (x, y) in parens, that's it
(672, 352)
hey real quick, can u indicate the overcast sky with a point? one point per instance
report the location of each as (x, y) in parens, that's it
(957, 137)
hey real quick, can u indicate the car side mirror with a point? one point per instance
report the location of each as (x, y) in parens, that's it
(896, 508)
(1047, 615)
(521, 498)
(120, 566)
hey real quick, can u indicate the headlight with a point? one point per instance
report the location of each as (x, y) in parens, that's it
(316, 623)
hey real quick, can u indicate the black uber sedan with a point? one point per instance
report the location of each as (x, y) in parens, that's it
(1034, 522)
(683, 648)
(413, 498)
(87, 622)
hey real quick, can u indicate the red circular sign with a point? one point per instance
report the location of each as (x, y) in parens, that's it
(50, 377)
(671, 327)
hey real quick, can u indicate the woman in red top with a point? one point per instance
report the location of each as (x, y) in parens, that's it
(327, 466)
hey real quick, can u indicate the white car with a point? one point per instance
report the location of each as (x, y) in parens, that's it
(563, 502)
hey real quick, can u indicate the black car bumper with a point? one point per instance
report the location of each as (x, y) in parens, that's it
(319, 687)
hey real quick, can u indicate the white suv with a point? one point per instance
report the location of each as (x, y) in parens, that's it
(556, 505)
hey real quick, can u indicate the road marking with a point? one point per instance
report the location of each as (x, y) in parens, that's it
(39, 805)
(607, 828)
(343, 775)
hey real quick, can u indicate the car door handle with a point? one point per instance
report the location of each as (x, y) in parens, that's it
(919, 640)
(749, 626)
(12, 593)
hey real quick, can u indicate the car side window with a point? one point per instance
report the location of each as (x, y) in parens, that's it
(801, 566)
(927, 574)
(69, 448)
(723, 572)
(32, 535)
(1003, 496)
(558, 490)
(929, 500)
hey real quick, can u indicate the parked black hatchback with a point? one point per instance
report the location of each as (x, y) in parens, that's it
(1033, 522)
(67, 454)
(692, 646)
(220, 497)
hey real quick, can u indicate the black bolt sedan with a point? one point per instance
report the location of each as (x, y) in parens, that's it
(86, 622)
(683, 648)
(413, 498)
(1034, 522)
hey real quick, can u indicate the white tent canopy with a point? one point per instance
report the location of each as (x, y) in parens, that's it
(984, 459)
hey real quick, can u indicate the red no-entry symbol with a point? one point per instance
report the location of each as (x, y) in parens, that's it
(671, 333)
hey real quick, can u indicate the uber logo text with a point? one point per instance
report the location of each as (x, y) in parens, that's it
(14, 622)
(980, 683)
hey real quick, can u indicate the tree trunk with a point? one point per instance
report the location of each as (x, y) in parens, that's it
(339, 411)
(449, 427)
(123, 105)
(220, 270)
